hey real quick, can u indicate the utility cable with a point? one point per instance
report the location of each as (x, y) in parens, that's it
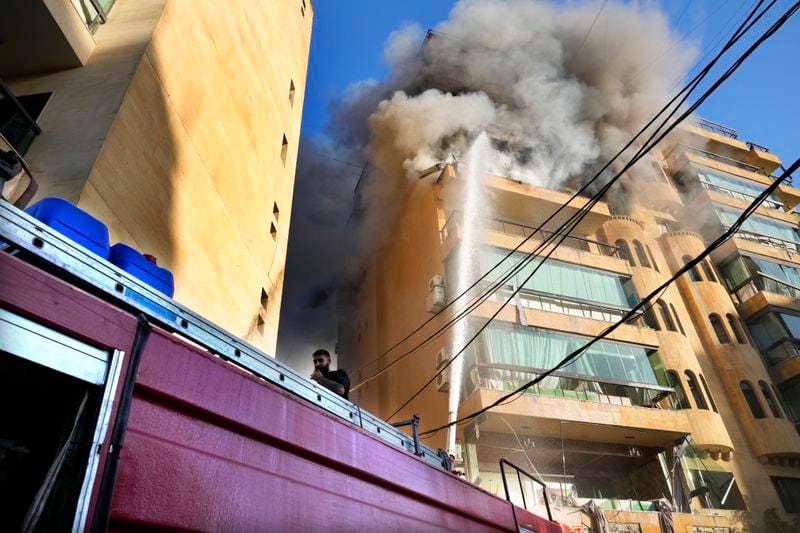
(690, 87)
(570, 358)
(694, 106)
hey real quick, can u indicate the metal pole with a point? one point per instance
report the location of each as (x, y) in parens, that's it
(415, 433)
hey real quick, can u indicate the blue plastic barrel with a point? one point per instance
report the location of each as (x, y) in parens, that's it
(73, 223)
(138, 266)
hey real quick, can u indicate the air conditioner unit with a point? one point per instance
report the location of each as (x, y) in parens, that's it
(441, 357)
(443, 381)
(434, 302)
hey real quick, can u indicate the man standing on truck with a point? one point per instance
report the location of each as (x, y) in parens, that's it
(334, 380)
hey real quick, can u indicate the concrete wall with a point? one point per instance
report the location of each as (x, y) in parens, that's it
(173, 135)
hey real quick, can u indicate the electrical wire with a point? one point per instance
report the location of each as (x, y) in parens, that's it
(693, 107)
(476, 301)
(570, 358)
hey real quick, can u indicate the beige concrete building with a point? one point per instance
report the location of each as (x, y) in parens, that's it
(175, 122)
(716, 358)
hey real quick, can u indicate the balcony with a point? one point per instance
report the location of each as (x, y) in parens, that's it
(766, 240)
(738, 195)
(525, 203)
(682, 154)
(44, 36)
(507, 378)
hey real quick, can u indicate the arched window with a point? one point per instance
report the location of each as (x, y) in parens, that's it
(640, 255)
(663, 313)
(737, 331)
(694, 275)
(650, 319)
(680, 395)
(652, 259)
(771, 403)
(719, 329)
(625, 252)
(677, 320)
(709, 270)
(694, 388)
(708, 393)
(752, 400)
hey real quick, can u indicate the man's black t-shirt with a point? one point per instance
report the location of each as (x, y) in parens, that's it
(341, 377)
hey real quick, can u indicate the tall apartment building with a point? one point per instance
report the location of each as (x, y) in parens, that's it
(176, 123)
(716, 359)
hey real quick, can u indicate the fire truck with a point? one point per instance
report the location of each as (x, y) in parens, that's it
(123, 409)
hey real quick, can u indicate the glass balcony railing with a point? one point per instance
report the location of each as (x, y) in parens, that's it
(759, 282)
(781, 352)
(509, 378)
(766, 240)
(717, 157)
(522, 230)
(566, 306)
(738, 195)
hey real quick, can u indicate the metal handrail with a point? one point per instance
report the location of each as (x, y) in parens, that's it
(504, 461)
(717, 128)
(759, 147)
(733, 193)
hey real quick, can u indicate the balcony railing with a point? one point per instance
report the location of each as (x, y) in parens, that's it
(781, 352)
(521, 230)
(717, 157)
(766, 240)
(495, 376)
(567, 306)
(717, 128)
(759, 147)
(738, 195)
(759, 282)
(16, 124)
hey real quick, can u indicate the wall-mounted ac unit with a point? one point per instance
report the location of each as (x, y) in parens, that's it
(443, 381)
(435, 301)
(441, 357)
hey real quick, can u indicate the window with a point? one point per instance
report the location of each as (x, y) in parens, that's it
(695, 390)
(790, 391)
(18, 115)
(788, 489)
(752, 400)
(273, 231)
(709, 270)
(640, 255)
(275, 211)
(694, 275)
(291, 92)
(708, 393)
(719, 329)
(650, 319)
(737, 331)
(652, 259)
(284, 149)
(771, 403)
(625, 252)
(677, 320)
(663, 313)
(664, 226)
(264, 298)
(680, 395)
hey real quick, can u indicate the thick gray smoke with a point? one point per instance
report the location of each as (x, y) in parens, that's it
(557, 98)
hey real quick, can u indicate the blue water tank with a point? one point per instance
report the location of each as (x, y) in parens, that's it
(73, 223)
(138, 266)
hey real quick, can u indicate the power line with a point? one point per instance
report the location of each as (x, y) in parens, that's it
(688, 266)
(595, 199)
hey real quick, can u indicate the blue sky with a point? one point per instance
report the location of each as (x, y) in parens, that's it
(759, 101)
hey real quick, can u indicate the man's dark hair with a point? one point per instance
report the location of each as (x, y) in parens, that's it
(321, 351)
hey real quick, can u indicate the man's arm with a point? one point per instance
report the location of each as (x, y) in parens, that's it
(329, 384)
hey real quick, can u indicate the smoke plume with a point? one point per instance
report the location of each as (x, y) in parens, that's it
(560, 89)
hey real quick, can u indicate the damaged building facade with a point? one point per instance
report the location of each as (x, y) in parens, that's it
(696, 401)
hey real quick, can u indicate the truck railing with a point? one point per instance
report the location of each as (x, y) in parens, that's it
(21, 232)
